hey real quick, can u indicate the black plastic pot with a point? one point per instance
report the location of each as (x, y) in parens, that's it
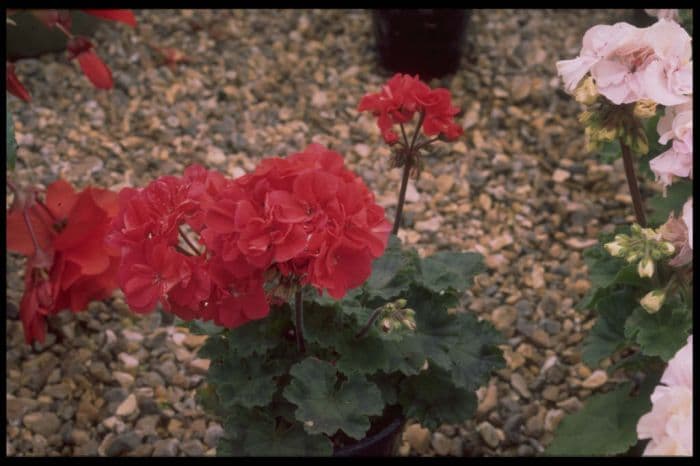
(424, 42)
(383, 443)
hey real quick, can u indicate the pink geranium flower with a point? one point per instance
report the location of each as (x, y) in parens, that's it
(669, 425)
(675, 125)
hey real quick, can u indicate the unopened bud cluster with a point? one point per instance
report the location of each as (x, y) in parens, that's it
(652, 301)
(643, 246)
(606, 122)
(397, 317)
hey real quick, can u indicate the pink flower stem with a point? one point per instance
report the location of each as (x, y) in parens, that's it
(632, 183)
(408, 164)
(299, 312)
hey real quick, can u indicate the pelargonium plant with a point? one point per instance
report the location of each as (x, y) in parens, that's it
(641, 274)
(323, 330)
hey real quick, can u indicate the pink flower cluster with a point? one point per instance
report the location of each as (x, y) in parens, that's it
(630, 64)
(303, 219)
(676, 126)
(669, 425)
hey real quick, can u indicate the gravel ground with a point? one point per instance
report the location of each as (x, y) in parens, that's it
(519, 188)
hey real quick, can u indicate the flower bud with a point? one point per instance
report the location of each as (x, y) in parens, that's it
(586, 93)
(644, 108)
(607, 134)
(585, 117)
(401, 303)
(615, 249)
(634, 257)
(652, 301)
(667, 248)
(651, 234)
(636, 229)
(622, 239)
(645, 268)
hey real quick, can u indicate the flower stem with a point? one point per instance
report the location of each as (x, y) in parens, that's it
(402, 196)
(632, 183)
(365, 328)
(408, 164)
(299, 310)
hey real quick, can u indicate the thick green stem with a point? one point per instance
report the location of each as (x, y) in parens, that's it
(408, 165)
(637, 201)
(402, 196)
(299, 311)
(365, 328)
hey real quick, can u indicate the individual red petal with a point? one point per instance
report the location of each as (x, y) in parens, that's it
(123, 16)
(60, 198)
(90, 255)
(291, 244)
(77, 45)
(80, 224)
(285, 208)
(141, 294)
(19, 239)
(221, 216)
(14, 86)
(97, 72)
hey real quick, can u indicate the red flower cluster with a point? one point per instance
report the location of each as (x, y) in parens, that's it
(69, 264)
(78, 47)
(401, 97)
(304, 219)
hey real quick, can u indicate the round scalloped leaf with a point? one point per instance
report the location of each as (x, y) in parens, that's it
(326, 405)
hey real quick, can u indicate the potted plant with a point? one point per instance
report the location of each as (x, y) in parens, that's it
(420, 41)
(641, 274)
(324, 333)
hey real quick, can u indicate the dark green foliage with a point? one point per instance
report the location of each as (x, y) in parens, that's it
(607, 424)
(277, 401)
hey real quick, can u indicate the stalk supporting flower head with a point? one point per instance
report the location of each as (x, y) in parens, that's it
(396, 104)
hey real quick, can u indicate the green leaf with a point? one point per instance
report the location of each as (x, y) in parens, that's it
(602, 267)
(676, 195)
(246, 382)
(258, 336)
(609, 152)
(326, 405)
(255, 433)
(661, 334)
(392, 272)
(432, 399)
(474, 354)
(11, 148)
(388, 384)
(447, 269)
(608, 333)
(215, 348)
(200, 327)
(606, 425)
(456, 342)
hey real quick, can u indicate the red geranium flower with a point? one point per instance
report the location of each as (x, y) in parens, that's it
(401, 97)
(69, 264)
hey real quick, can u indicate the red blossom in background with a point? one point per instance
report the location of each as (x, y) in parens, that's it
(122, 16)
(401, 97)
(93, 67)
(78, 47)
(14, 86)
(69, 264)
